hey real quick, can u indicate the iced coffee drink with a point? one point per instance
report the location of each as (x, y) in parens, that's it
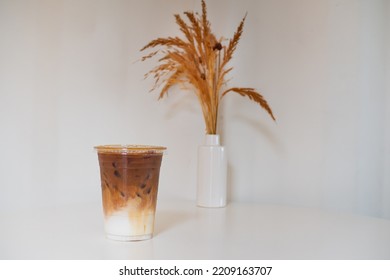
(129, 180)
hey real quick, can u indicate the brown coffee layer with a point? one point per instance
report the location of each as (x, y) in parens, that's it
(129, 180)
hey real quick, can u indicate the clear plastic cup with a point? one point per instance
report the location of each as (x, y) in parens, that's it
(129, 180)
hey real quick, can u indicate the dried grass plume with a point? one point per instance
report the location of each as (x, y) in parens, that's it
(198, 60)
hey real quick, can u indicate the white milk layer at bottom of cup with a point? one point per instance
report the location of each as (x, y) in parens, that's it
(131, 224)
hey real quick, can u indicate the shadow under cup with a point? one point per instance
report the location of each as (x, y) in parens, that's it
(129, 180)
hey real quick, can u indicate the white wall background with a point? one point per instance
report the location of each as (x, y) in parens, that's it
(69, 81)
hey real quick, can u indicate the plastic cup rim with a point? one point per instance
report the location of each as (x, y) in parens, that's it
(130, 149)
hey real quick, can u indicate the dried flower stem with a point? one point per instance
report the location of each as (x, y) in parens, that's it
(199, 60)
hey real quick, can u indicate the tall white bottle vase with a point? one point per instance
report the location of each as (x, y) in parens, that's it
(212, 173)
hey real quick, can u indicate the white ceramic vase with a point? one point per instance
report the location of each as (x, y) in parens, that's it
(212, 173)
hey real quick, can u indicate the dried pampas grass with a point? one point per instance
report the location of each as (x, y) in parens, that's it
(201, 61)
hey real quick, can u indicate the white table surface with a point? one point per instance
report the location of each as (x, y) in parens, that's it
(184, 231)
